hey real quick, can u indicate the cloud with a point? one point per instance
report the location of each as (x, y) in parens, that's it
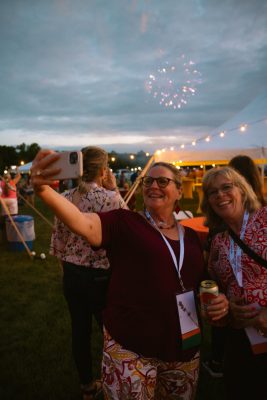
(79, 68)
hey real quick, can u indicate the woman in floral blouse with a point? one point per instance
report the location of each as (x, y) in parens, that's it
(86, 271)
(230, 204)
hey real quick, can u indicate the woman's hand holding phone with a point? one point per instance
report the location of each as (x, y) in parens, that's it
(49, 166)
(42, 171)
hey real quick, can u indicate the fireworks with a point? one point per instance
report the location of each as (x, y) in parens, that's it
(174, 83)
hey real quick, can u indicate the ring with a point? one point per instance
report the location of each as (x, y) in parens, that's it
(38, 172)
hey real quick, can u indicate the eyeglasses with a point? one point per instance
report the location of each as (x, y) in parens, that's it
(162, 181)
(226, 188)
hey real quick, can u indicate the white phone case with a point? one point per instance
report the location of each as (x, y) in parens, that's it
(71, 165)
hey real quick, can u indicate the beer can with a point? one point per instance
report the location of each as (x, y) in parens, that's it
(208, 290)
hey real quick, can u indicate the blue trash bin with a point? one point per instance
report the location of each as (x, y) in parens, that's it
(25, 225)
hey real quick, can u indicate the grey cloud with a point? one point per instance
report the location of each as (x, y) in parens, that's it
(81, 66)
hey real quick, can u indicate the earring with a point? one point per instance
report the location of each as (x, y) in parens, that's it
(177, 208)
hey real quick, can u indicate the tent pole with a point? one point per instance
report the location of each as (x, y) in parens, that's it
(133, 188)
(35, 209)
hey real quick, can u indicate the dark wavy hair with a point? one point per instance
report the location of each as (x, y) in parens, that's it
(247, 168)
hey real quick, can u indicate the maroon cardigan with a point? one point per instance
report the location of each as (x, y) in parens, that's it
(141, 312)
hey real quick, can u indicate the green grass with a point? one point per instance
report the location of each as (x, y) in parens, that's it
(35, 338)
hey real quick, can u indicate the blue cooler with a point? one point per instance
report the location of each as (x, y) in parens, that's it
(25, 225)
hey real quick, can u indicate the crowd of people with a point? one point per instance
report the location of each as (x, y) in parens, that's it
(138, 274)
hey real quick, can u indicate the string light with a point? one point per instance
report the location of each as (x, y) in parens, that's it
(242, 128)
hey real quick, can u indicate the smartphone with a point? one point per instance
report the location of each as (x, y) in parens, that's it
(71, 165)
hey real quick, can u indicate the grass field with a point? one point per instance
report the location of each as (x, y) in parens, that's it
(35, 341)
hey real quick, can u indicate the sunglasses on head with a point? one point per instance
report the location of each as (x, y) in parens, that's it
(162, 181)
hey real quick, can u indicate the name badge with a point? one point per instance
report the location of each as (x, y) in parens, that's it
(188, 319)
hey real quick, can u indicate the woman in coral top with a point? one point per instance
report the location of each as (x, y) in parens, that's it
(9, 193)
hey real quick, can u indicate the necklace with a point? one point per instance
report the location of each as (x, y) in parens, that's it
(164, 225)
(160, 224)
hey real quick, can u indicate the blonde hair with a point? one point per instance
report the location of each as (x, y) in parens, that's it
(94, 159)
(249, 198)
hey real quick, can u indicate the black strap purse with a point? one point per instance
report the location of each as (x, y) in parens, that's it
(251, 253)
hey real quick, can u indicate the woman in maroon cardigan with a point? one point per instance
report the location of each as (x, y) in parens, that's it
(157, 266)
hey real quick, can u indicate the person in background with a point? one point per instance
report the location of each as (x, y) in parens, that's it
(133, 177)
(245, 166)
(156, 263)
(86, 271)
(65, 184)
(230, 204)
(28, 191)
(122, 180)
(9, 192)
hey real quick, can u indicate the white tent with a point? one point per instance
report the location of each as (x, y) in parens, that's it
(252, 141)
(25, 169)
(209, 157)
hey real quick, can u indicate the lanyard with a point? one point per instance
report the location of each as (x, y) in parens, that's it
(235, 253)
(181, 242)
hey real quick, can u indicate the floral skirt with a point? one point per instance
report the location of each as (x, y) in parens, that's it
(127, 375)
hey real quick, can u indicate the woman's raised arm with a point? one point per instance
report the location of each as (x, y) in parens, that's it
(87, 225)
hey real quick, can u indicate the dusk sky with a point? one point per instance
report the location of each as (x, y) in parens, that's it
(127, 75)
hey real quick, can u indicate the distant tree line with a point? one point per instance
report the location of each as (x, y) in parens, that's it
(10, 155)
(123, 160)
